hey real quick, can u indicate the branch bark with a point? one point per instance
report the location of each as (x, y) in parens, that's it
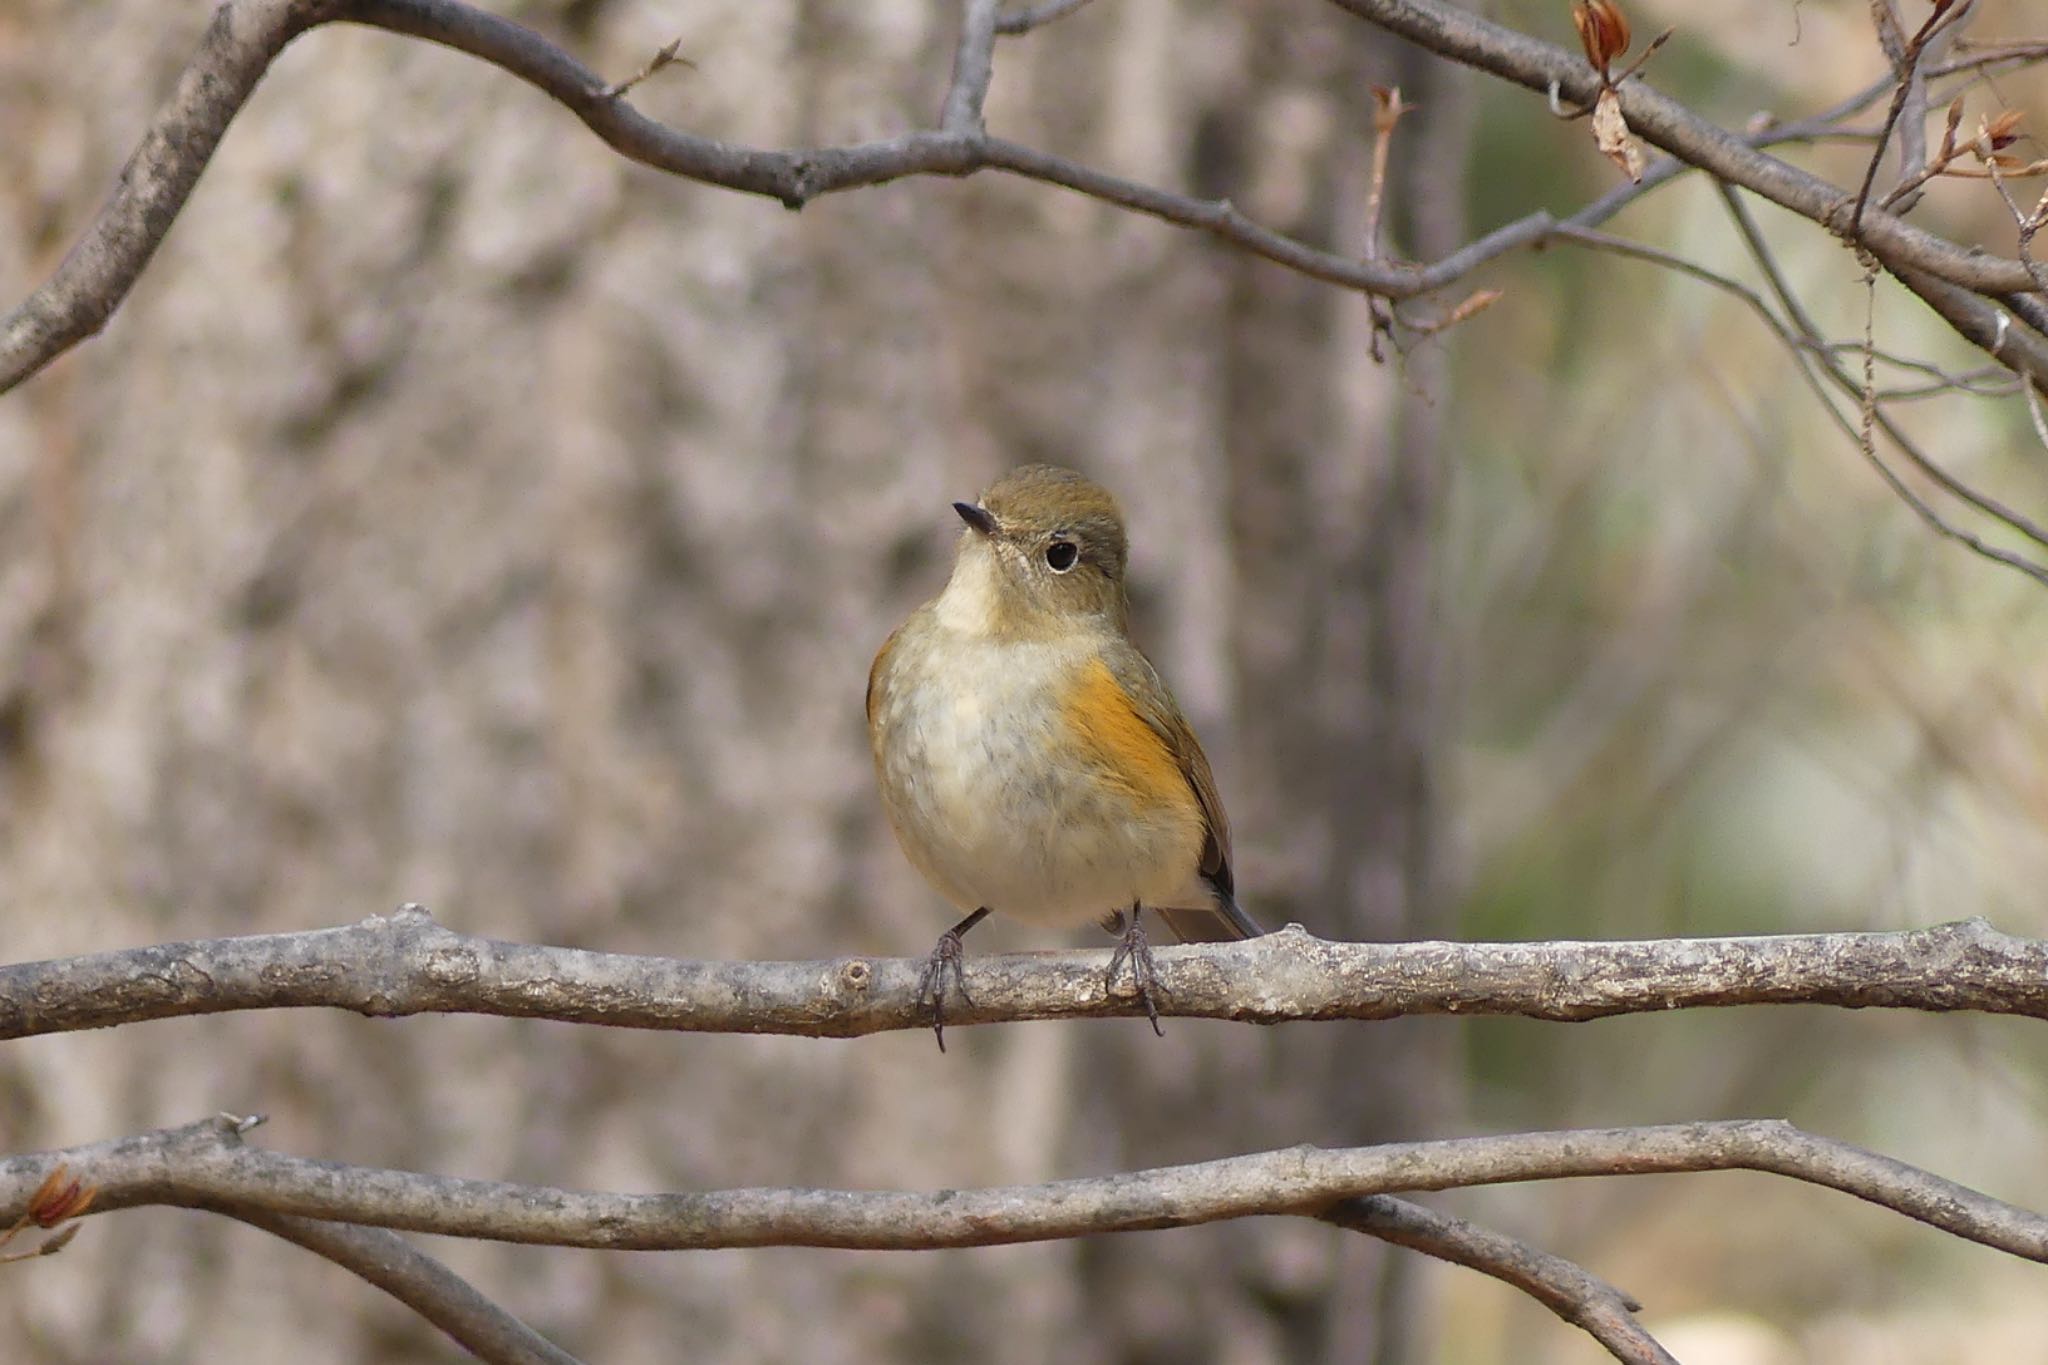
(246, 35)
(416, 1280)
(1579, 1297)
(406, 963)
(1466, 38)
(334, 1208)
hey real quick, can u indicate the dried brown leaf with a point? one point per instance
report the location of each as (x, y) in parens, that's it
(1612, 136)
(2001, 132)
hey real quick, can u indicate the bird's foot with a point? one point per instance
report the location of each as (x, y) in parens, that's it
(1136, 949)
(945, 959)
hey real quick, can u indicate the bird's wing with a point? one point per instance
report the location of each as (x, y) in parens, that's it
(1156, 707)
(875, 670)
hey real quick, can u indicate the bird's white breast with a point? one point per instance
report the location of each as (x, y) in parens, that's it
(993, 798)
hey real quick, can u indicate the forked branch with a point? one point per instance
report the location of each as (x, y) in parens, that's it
(207, 1165)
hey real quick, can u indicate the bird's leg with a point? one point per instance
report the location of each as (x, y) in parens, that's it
(1135, 948)
(946, 956)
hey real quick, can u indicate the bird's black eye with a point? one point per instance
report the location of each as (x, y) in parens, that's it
(1060, 555)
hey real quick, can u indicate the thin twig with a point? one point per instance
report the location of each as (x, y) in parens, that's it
(1568, 1290)
(1038, 16)
(2035, 415)
(1945, 14)
(2029, 224)
(1561, 1286)
(668, 55)
(416, 1280)
(1387, 110)
(1807, 350)
(973, 68)
(1989, 54)
(1964, 312)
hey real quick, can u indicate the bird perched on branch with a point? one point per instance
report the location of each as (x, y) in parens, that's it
(1030, 759)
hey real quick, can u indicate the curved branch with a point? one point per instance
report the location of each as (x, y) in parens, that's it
(246, 35)
(424, 1284)
(416, 1280)
(1037, 16)
(405, 964)
(1575, 1294)
(206, 1165)
(97, 273)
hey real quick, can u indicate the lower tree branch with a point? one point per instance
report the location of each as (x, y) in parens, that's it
(208, 1165)
(416, 1280)
(1579, 1297)
(406, 963)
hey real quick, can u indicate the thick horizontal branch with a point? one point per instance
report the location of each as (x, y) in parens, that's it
(207, 1165)
(406, 964)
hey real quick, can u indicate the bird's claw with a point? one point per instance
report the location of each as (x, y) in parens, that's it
(946, 957)
(1136, 949)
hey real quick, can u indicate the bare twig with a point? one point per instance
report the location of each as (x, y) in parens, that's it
(1387, 110)
(1037, 16)
(1986, 381)
(973, 68)
(668, 55)
(416, 1280)
(1912, 124)
(1978, 55)
(1970, 315)
(2028, 223)
(1922, 170)
(2035, 415)
(1911, 91)
(1579, 1297)
(406, 964)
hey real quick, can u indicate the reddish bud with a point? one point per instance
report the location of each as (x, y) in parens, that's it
(1603, 31)
(58, 1198)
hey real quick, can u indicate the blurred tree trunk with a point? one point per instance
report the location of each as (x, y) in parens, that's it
(459, 514)
(1331, 478)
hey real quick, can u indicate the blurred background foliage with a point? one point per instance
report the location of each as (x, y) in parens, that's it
(458, 514)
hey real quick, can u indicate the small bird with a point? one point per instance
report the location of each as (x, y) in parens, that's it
(1029, 758)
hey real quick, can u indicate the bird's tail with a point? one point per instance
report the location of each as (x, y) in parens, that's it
(1223, 922)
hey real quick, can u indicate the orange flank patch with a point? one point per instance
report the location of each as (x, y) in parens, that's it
(1117, 740)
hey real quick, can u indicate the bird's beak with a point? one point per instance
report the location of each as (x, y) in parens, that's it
(976, 516)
